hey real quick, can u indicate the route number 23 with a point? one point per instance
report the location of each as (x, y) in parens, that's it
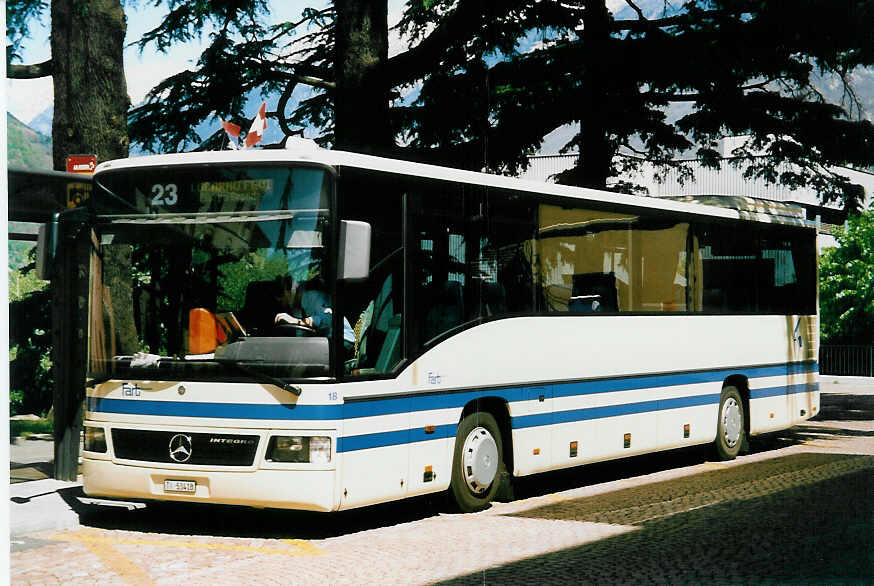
(164, 195)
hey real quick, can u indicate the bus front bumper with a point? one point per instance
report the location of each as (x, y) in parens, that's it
(310, 490)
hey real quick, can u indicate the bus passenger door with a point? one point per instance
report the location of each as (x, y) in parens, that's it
(532, 430)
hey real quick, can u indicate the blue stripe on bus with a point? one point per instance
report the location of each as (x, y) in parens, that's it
(412, 403)
(218, 410)
(784, 390)
(372, 407)
(418, 434)
(588, 413)
(352, 443)
(391, 406)
(676, 379)
(392, 438)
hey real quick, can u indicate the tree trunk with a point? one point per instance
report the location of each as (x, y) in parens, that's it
(596, 153)
(91, 105)
(361, 100)
(91, 99)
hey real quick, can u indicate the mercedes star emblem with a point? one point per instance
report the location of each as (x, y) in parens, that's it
(180, 448)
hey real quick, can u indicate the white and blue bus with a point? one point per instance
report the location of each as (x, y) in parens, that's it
(461, 328)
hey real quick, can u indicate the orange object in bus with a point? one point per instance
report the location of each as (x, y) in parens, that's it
(201, 331)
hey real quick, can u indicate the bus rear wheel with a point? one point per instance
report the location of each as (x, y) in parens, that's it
(730, 432)
(478, 463)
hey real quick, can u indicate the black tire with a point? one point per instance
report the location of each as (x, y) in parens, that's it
(477, 442)
(730, 429)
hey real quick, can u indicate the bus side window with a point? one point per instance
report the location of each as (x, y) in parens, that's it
(583, 259)
(378, 333)
(730, 267)
(443, 259)
(507, 255)
(375, 306)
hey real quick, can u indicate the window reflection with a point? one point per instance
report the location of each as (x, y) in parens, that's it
(185, 277)
(601, 261)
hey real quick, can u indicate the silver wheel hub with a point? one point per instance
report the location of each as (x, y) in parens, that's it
(479, 460)
(731, 422)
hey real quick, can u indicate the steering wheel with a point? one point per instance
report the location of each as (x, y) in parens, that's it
(293, 330)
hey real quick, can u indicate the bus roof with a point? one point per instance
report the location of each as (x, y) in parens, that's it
(306, 151)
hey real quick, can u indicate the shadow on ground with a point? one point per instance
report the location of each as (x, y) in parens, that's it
(31, 471)
(238, 521)
(846, 407)
(804, 518)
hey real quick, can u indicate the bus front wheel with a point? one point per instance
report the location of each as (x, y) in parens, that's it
(730, 433)
(478, 464)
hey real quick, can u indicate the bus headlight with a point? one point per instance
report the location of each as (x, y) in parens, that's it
(95, 439)
(299, 449)
(320, 449)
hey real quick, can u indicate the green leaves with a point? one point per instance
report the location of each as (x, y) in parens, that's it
(847, 284)
(19, 16)
(30, 363)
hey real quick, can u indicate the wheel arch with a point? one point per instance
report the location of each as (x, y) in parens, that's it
(742, 384)
(498, 408)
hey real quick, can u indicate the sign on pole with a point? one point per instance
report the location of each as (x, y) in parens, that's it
(84, 164)
(78, 193)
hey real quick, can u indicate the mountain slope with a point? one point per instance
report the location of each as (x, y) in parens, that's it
(42, 122)
(26, 147)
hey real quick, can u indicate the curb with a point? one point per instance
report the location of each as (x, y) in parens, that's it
(38, 505)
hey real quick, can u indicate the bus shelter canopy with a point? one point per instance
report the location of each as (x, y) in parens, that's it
(33, 196)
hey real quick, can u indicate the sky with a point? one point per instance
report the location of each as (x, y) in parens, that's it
(25, 99)
(28, 98)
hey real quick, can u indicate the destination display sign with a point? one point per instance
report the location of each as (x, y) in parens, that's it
(219, 190)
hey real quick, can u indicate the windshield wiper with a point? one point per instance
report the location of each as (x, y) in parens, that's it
(262, 377)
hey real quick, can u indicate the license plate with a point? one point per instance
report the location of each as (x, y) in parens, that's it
(180, 486)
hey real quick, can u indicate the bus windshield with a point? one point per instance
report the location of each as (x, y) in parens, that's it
(207, 271)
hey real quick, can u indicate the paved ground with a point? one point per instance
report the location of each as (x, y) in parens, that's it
(797, 509)
(30, 459)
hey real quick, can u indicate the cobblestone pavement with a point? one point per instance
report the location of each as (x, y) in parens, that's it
(797, 509)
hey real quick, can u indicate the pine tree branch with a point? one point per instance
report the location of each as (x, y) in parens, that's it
(37, 70)
(313, 81)
(694, 97)
(280, 108)
(424, 58)
(637, 9)
(645, 24)
(291, 27)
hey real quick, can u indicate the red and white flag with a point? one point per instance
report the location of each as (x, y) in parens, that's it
(232, 129)
(259, 125)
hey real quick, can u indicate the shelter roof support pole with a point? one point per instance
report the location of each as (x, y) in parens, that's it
(69, 350)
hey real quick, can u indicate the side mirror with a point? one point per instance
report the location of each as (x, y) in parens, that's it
(354, 261)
